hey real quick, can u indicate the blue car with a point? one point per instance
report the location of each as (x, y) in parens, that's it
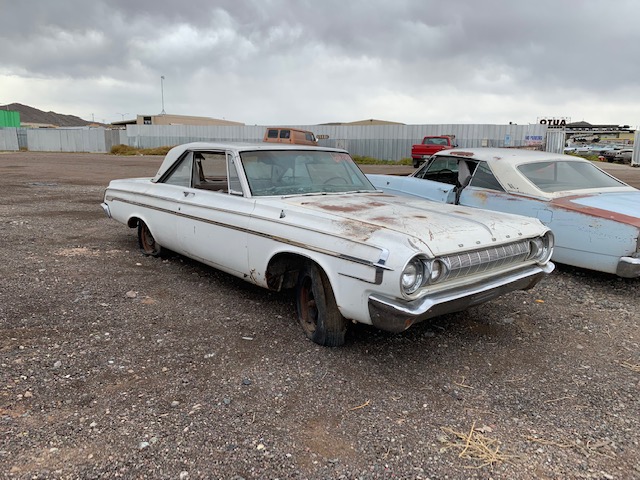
(595, 217)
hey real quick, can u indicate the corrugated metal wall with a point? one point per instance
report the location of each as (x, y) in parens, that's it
(386, 142)
(66, 140)
(9, 118)
(9, 139)
(555, 141)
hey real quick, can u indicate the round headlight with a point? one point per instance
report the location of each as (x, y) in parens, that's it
(412, 276)
(541, 248)
(536, 247)
(439, 271)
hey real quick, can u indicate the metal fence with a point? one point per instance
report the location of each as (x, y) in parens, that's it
(386, 142)
(9, 140)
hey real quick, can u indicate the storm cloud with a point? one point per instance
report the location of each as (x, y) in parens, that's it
(306, 62)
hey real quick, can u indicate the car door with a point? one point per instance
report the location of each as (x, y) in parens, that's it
(435, 180)
(214, 213)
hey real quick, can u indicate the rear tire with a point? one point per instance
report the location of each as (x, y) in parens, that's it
(146, 242)
(318, 312)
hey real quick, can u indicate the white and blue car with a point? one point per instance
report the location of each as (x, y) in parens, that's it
(306, 218)
(594, 216)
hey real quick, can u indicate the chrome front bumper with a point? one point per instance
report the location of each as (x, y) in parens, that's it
(396, 315)
(628, 267)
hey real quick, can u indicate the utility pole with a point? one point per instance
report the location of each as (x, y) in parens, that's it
(162, 93)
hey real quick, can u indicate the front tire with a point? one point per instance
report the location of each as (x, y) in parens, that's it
(146, 242)
(318, 312)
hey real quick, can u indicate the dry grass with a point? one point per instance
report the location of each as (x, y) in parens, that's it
(128, 150)
(633, 367)
(478, 448)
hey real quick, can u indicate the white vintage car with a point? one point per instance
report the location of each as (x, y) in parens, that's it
(290, 216)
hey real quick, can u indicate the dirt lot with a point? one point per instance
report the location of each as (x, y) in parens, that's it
(113, 364)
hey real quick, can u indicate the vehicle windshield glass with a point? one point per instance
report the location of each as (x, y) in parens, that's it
(296, 172)
(559, 175)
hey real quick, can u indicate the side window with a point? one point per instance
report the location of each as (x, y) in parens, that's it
(272, 133)
(484, 178)
(181, 175)
(440, 169)
(285, 133)
(211, 171)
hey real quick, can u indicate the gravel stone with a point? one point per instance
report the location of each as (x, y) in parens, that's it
(141, 386)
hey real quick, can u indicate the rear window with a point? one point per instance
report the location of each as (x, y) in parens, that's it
(272, 133)
(561, 175)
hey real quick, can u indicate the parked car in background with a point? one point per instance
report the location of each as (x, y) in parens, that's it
(594, 216)
(623, 155)
(610, 154)
(430, 145)
(306, 218)
(289, 135)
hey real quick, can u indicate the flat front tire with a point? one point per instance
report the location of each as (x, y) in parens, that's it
(318, 312)
(147, 243)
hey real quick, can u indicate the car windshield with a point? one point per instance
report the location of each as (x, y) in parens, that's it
(560, 175)
(299, 172)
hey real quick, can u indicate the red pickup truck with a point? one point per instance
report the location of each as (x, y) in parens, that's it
(430, 145)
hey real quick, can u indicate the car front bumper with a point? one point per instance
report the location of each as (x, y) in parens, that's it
(106, 209)
(396, 315)
(628, 267)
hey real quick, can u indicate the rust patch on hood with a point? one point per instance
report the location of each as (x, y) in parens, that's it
(351, 208)
(343, 208)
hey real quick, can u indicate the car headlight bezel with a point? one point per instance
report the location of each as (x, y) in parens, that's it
(412, 277)
(541, 248)
(420, 271)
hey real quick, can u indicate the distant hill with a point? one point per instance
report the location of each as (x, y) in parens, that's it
(33, 115)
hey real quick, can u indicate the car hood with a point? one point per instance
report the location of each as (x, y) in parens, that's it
(621, 206)
(442, 228)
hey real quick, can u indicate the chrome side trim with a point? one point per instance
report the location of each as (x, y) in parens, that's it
(379, 265)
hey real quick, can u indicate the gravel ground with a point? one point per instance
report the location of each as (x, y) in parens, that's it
(116, 365)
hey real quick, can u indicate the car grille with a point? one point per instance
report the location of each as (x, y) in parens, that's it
(477, 261)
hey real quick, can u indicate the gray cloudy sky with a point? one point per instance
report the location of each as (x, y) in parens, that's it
(307, 62)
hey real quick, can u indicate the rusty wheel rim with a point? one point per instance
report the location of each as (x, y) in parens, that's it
(308, 307)
(148, 242)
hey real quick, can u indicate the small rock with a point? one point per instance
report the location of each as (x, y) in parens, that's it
(175, 403)
(184, 475)
(57, 364)
(143, 445)
(131, 294)
(28, 394)
(246, 381)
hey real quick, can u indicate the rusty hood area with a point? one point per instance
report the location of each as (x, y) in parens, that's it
(443, 228)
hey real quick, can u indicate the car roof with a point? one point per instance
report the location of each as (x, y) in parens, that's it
(176, 152)
(504, 162)
(514, 156)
